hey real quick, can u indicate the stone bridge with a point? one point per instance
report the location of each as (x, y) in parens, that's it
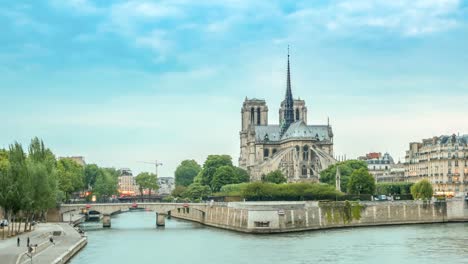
(108, 209)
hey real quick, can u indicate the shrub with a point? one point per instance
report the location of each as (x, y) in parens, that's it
(422, 190)
(259, 191)
(398, 188)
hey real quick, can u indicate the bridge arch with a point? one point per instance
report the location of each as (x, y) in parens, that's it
(162, 210)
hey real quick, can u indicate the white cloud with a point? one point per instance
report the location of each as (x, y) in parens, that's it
(407, 17)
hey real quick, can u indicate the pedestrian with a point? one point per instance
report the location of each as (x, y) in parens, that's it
(18, 241)
(28, 242)
(51, 240)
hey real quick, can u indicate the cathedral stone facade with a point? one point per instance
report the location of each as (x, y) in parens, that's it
(299, 150)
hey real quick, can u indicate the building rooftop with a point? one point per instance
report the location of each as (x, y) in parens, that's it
(297, 130)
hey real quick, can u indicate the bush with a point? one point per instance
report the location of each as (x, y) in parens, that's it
(393, 188)
(168, 199)
(259, 191)
(232, 189)
(274, 177)
(422, 190)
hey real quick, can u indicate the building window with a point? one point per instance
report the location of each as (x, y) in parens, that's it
(274, 151)
(297, 114)
(304, 170)
(258, 116)
(266, 153)
(305, 154)
(252, 116)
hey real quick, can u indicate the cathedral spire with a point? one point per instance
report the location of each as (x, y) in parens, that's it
(288, 102)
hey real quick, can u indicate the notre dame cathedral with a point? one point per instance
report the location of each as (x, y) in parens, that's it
(299, 150)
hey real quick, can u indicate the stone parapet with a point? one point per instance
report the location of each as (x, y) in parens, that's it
(277, 217)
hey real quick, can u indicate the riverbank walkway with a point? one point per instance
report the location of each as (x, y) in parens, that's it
(47, 252)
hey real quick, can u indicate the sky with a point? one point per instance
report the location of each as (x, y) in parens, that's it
(125, 81)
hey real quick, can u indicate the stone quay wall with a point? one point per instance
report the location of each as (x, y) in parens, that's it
(276, 217)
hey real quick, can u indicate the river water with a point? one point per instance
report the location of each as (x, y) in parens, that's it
(134, 239)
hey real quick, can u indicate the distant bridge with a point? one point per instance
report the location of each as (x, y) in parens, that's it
(108, 209)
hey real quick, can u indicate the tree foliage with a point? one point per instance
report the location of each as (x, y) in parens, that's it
(274, 177)
(91, 172)
(218, 171)
(186, 172)
(212, 163)
(261, 191)
(196, 191)
(422, 190)
(33, 182)
(361, 182)
(391, 188)
(146, 180)
(105, 185)
(70, 176)
(346, 169)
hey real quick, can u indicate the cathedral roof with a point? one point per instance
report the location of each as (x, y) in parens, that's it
(272, 132)
(297, 130)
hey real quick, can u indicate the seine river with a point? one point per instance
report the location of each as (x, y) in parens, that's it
(133, 238)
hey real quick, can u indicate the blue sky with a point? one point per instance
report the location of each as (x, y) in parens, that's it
(126, 81)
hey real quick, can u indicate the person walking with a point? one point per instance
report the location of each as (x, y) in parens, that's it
(27, 242)
(18, 242)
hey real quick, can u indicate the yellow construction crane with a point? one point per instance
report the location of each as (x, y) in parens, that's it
(155, 163)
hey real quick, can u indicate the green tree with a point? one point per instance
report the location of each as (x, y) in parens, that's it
(361, 182)
(7, 188)
(148, 181)
(197, 191)
(105, 185)
(274, 177)
(186, 172)
(21, 197)
(42, 166)
(212, 163)
(91, 172)
(223, 175)
(241, 175)
(390, 188)
(70, 176)
(179, 191)
(422, 190)
(328, 175)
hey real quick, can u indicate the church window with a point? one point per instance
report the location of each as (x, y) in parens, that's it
(274, 151)
(298, 148)
(304, 170)
(297, 114)
(258, 116)
(266, 153)
(305, 154)
(311, 172)
(252, 115)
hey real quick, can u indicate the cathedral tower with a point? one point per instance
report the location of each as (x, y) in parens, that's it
(254, 112)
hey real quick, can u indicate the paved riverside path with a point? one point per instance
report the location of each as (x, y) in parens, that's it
(9, 252)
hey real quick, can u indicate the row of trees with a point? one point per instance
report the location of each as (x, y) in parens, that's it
(32, 182)
(196, 182)
(219, 176)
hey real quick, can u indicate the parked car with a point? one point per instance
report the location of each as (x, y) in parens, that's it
(381, 198)
(3, 223)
